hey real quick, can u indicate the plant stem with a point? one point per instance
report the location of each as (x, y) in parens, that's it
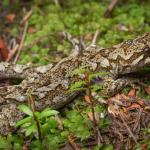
(95, 126)
(32, 106)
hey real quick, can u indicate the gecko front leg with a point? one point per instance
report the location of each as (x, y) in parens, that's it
(9, 115)
(112, 87)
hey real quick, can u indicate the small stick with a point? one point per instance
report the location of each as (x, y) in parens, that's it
(95, 38)
(57, 3)
(12, 53)
(21, 43)
(26, 17)
(73, 144)
(60, 124)
(32, 106)
(72, 40)
(138, 120)
(110, 8)
(129, 130)
(94, 121)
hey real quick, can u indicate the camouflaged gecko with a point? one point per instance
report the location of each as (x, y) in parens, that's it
(50, 83)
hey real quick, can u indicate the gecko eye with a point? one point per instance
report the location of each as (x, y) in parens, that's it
(147, 49)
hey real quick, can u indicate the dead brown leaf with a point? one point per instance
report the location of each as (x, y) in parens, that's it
(135, 106)
(90, 114)
(147, 90)
(3, 49)
(87, 99)
(10, 17)
(132, 93)
(32, 30)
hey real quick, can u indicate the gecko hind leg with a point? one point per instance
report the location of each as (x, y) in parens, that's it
(112, 87)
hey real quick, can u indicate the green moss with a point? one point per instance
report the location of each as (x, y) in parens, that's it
(79, 18)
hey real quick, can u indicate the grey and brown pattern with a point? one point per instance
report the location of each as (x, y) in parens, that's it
(50, 83)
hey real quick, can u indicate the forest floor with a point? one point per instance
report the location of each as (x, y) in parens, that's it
(31, 33)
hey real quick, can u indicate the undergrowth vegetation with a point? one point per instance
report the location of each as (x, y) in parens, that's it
(47, 130)
(79, 18)
(50, 129)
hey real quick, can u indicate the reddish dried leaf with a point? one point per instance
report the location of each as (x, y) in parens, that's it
(114, 110)
(3, 50)
(72, 142)
(141, 102)
(97, 116)
(125, 97)
(135, 106)
(87, 99)
(90, 114)
(147, 90)
(132, 93)
(10, 17)
(32, 30)
(144, 147)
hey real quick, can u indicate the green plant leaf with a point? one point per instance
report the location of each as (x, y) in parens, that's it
(75, 89)
(26, 110)
(31, 129)
(48, 112)
(78, 84)
(23, 121)
(4, 144)
(97, 87)
(80, 70)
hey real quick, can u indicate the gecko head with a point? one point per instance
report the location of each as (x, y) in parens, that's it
(140, 52)
(133, 55)
(144, 51)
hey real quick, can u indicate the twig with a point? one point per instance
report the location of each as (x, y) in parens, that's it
(57, 3)
(73, 144)
(60, 124)
(21, 43)
(78, 45)
(82, 44)
(12, 53)
(137, 120)
(110, 8)
(26, 17)
(95, 38)
(95, 126)
(32, 106)
(72, 40)
(11, 44)
(129, 130)
(99, 137)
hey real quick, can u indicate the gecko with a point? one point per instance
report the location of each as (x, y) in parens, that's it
(49, 84)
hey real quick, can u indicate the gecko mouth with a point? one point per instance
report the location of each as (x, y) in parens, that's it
(141, 73)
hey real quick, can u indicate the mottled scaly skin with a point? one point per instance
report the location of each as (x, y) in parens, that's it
(49, 84)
